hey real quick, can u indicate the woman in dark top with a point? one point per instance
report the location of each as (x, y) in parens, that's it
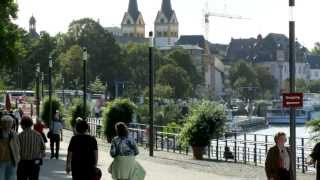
(82, 154)
(315, 158)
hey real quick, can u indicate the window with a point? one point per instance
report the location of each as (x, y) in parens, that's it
(165, 34)
(161, 20)
(128, 21)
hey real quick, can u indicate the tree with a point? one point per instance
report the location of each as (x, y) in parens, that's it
(97, 86)
(104, 54)
(301, 85)
(10, 38)
(176, 78)
(243, 78)
(160, 91)
(181, 58)
(316, 49)
(267, 83)
(71, 63)
(314, 86)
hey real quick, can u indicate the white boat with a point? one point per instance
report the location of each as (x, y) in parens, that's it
(280, 115)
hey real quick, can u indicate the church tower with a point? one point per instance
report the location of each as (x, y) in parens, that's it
(32, 27)
(132, 24)
(166, 26)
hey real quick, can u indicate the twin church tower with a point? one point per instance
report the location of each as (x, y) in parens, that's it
(166, 26)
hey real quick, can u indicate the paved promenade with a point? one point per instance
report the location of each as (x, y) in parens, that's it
(164, 166)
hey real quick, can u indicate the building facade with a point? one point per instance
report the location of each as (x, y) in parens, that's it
(132, 24)
(166, 26)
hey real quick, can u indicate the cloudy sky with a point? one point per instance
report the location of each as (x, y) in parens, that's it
(265, 16)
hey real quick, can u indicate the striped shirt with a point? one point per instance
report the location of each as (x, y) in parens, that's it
(32, 146)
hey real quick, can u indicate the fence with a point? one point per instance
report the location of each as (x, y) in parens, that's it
(246, 148)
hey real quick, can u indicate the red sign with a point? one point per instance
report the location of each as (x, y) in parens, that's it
(292, 100)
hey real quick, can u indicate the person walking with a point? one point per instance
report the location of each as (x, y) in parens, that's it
(32, 150)
(9, 149)
(123, 150)
(82, 155)
(315, 159)
(56, 135)
(278, 165)
(39, 126)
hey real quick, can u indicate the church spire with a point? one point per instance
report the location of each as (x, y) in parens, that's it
(133, 9)
(166, 8)
(32, 23)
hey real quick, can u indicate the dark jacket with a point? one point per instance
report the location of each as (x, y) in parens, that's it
(315, 155)
(272, 165)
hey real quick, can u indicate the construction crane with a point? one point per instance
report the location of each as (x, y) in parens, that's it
(208, 14)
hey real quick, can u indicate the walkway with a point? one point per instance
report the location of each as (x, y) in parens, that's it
(164, 166)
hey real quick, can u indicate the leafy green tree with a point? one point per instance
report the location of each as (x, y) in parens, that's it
(301, 85)
(243, 79)
(160, 91)
(97, 86)
(71, 63)
(316, 49)
(314, 126)
(267, 83)
(181, 58)
(10, 43)
(176, 78)
(104, 54)
(314, 86)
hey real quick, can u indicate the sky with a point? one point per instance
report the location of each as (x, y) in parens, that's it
(264, 16)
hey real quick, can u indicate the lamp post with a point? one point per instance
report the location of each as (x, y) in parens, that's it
(151, 81)
(38, 91)
(50, 90)
(292, 69)
(85, 58)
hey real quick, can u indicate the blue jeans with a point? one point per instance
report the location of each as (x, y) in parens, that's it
(8, 171)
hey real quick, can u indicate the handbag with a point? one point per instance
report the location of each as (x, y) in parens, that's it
(97, 174)
(49, 134)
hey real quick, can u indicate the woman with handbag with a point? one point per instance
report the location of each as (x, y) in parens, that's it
(82, 155)
(123, 150)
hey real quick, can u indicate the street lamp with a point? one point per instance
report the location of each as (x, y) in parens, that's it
(50, 90)
(38, 90)
(292, 69)
(85, 59)
(151, 81)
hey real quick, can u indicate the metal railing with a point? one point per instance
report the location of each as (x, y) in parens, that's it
(245, 148)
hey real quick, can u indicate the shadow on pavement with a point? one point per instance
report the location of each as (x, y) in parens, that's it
(54, 169)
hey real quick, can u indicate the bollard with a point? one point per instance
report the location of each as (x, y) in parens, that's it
(303, 160)
(255, 150)
(209, 147)
(245, 148)
(235, 147)
(217, 149)
(162, 141)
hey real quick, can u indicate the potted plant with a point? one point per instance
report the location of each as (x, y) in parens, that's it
(56, 105)
(75, 111)
(205, 122)
(119, 110)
